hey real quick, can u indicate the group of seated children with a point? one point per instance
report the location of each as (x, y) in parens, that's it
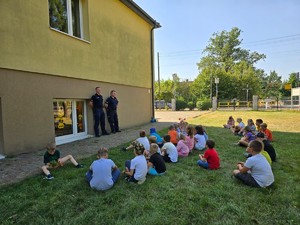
(256, 171)
(152, 153)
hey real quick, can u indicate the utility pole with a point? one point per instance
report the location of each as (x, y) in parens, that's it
(158, 73)
(211, 89)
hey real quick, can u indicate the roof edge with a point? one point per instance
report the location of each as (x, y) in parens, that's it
(138, 10)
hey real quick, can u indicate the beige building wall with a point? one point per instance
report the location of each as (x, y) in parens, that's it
(26, 107)
(116, 46)
(39, 64)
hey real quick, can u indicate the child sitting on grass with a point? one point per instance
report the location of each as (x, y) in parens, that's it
(230, 123)
(200, 139)
(173, 134)
(136, 169)
(210, 159)
(182, 148)
(52, 160)
(142, 140)
(256, 171)
(159, 140)
(248, 136)
(266, 131)
(189, 139)
(169, 151)
(236, 129)
(103, 173)
(156, 164)
(152, 139)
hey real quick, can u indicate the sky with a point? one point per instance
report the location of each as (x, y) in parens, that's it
(270, 27)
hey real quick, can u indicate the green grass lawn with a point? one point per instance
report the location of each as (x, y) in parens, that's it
(186, 194)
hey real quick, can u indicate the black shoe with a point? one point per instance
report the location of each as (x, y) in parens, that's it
(118, 131)
(97, 135)
(123, 149)
(113, 132)
(105, 133)
(79, 166)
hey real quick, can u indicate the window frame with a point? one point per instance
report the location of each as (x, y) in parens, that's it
(75, 135)
(70, 20)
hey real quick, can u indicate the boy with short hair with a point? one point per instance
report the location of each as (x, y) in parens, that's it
(136, 169)
(103, 173)
(256, 171)
(52, 160)
(169, 150)
(156, 164)
(173, 134)
(266, 131)
(210, 159)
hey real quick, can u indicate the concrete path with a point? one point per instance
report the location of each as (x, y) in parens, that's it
(19, 167)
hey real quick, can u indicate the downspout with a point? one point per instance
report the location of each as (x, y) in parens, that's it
(152, 71)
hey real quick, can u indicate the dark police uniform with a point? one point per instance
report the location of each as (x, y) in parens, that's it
(111, 111)
(99, 115)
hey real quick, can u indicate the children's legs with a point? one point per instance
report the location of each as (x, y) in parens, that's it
(152, 171)
(203, 164)
(68, 157)
(246, 178)
(89, 175)
(243, 143)
(127, 164)
(45, 170)
(115, 175)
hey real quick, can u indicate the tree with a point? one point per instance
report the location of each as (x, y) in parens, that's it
(166, 90)
(234, 66)
(272, 85)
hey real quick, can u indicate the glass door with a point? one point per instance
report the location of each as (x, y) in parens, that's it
(69, 120)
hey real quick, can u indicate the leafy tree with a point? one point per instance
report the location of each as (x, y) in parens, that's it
(234, 66)
(165, 92)
(272, 85)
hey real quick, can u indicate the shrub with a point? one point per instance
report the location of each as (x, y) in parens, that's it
(204, 104)
(191, 105)
(180, 105)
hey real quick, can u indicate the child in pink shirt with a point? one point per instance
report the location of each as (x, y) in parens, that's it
(182, 148)
(189, 139)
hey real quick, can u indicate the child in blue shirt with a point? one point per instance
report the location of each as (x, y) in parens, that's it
(103, 173)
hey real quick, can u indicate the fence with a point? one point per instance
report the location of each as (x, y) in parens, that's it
(263, 104)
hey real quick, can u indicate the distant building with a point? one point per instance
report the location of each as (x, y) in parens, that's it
(52, 56)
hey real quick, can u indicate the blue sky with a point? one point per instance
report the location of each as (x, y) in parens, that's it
(271, 27)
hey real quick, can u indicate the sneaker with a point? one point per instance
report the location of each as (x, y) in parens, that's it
(123, 149)
(79, 166)
(141, 181)
(49, 177)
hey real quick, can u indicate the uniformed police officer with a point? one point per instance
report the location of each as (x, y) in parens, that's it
(96, 104)
(111, 105)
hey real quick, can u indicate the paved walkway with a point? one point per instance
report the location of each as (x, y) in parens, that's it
(19, 167)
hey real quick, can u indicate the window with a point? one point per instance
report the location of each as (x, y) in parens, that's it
(66, 16)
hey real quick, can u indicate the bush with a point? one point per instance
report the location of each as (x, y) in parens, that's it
(180, 105)
(204, 104)
(191, 105)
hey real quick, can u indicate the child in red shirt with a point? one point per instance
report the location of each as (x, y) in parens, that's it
(210, 159)
(266, 131)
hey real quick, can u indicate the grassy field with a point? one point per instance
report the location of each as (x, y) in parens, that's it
(186, 194)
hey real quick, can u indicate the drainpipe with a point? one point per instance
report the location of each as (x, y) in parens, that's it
(152, 70)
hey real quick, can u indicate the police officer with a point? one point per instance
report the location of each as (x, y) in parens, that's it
(111, 105)
(96, 104)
